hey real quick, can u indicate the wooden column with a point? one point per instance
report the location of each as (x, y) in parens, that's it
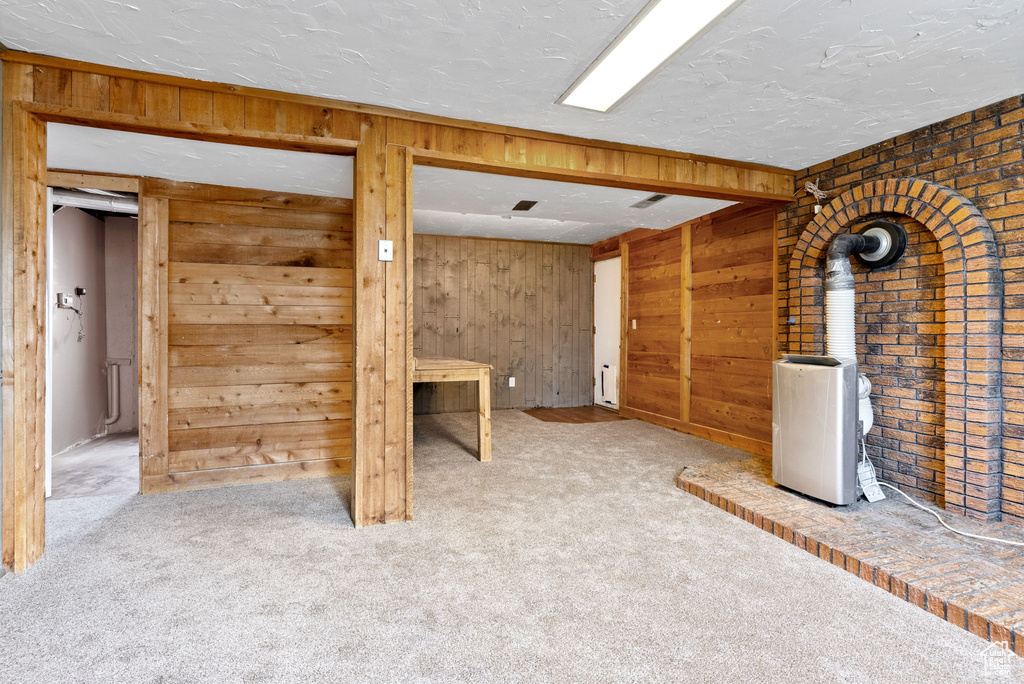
(24, 323)
(398, 362)
(153, 332)
(382, 407)
(685, 329)
(370, 390)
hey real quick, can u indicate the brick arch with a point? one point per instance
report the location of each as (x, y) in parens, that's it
(973, 327)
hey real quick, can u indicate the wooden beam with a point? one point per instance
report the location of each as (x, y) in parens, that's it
(93, 181)
(357, 109)
(371, 391)
(448, 160)
(77, 116)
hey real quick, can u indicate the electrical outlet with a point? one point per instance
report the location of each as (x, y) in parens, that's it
(65, 301)
(511, 381)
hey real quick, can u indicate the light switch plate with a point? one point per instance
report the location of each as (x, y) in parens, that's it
(511, 382)
(385, 250)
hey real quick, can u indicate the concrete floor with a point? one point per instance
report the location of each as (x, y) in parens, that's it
(571, 557)
(106, 465)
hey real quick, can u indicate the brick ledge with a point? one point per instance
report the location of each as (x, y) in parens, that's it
(941, 584)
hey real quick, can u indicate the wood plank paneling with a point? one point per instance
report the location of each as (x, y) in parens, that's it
(654, 301)
(49, 89)
(700, 357)
(733, 314)
(257, 346)
(523, 307)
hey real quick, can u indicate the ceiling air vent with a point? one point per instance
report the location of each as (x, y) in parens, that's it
(524, 205)
(644, 203)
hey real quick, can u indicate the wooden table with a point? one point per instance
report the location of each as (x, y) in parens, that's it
(443, 369)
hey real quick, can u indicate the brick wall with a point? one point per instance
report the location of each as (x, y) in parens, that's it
(903, 338)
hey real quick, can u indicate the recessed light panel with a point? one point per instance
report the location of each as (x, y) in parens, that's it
(662, 30)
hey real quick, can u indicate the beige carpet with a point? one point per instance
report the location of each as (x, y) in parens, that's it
(571, 557)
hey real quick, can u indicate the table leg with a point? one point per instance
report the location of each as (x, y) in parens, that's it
(483, 428)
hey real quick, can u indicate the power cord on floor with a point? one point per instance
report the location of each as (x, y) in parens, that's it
(942, 522)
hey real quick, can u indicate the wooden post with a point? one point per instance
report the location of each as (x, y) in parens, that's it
(483, 428)
(153, 226)
(24, 324)
(398, 362)
(370, 390)
(685, 332)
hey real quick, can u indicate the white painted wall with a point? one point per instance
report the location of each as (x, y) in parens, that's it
(607, 324)
(79, 392)
(121, 257)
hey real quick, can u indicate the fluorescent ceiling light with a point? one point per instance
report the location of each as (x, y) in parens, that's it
(661, 31)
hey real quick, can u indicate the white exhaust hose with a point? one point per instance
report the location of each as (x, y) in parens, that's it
(840, 343)
(840, 314)
(840, 324)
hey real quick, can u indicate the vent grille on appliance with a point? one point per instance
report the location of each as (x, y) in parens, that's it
(644, 203)
(524, 205)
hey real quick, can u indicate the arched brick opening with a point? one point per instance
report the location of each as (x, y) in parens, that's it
(973, 321)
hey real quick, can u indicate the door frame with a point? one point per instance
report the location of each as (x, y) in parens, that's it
(88, 180)
(24, 262)
(617, 257)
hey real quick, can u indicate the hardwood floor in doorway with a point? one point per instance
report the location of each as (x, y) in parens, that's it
(575, 414)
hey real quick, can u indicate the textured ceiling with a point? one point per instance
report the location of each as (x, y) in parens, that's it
(446, 202)
(786, 82)
(137, 154)
(451, 202)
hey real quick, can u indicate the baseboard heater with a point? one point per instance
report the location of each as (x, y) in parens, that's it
(608, 385)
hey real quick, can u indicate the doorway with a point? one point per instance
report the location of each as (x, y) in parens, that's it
(92, 439)
(607, 331)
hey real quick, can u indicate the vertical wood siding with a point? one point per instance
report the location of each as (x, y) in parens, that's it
(526, 308)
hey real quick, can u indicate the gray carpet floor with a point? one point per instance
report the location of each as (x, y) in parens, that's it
(571, 557)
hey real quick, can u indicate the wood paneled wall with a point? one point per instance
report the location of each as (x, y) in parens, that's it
(38, 89)
(733, 318)
(653, 299)
(258, 336)
(526, 308)
(700, 357)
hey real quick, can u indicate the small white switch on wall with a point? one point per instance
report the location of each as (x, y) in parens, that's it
(511, 381)
(634, 324)
(385, 250)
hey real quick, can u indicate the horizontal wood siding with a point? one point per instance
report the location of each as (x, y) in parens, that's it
(524, 307)
(654, 301)
(260, 313)
(732, 323)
